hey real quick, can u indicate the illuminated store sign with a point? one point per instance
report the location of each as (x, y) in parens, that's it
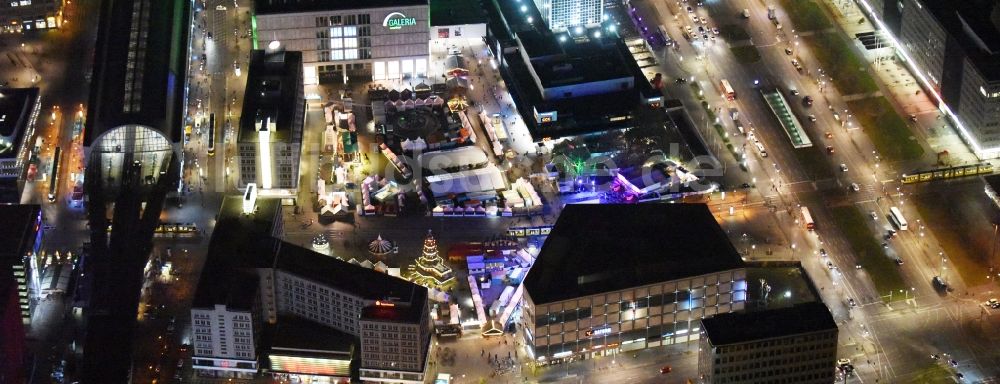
(602, 331)
(398, 20)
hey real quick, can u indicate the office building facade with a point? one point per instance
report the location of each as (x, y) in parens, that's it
(384, 39)
(22, 236)
(271, 279)
(270, 133)
(560, 15)
(795, 344)
(393, 337)
(19, 108)
(225, 339)
(614, 278)
(953, 48)
(630, 319)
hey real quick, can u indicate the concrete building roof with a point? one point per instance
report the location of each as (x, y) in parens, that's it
(141, 82)
(274, 95)
(975, 25)
(18, 232)
(16, 106)
(993, 182)
(263, 7)
(409, 314)
(292, 333)
(246, 242)
(742, 327)
(603, 248)
(238, 242)
(346, 277)
(456, 12)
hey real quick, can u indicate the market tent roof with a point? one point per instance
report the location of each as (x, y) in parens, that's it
(470, 156)
(489, 178)
(380, 246)
(454, 61)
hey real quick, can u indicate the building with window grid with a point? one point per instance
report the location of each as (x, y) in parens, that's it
(564, 14)
(796, 344)
(953, 48)
(251, 274)
(376, 39)
(270, 132)
(615, 278)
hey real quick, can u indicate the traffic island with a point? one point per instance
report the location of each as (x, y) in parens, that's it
(847, 71)
(886, 129)
(968, 250)
(880, 268)
(746, 54)
(806, 15)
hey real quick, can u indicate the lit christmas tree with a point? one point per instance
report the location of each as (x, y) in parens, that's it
(430, 267)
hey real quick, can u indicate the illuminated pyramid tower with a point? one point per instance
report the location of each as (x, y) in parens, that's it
(430, 268)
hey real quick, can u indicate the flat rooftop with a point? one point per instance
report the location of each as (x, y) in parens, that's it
(603, 248)
(971, 23)
(292, 333)
(238, 242)
(155, 95)
(409, 314)
(346, 277)
(582, 61)
(18, 232)
(273, 94)
(742, 327)
(993, 182)
(263, 7)
(456, 12)
(16, 105)
(246, 242)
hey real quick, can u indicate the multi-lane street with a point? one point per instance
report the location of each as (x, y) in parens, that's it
(784, 177)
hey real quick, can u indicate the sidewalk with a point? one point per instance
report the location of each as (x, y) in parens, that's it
(903, 90)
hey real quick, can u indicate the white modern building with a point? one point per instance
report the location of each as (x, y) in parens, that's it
(615, 278)
(377, 39)
(226, 337)
(564, 14)
(264, 278)
(953, 49)
(796, 344)
(392, 337)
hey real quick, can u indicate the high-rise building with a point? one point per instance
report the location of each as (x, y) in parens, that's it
(564, 14)
(251, 274)
(136, 109)
(954, 50)
(796, 344)
(270, 134)
(392, 336)
(19, 109)
(615, 278)
(384, 39)
(21, 234)
(132, 146)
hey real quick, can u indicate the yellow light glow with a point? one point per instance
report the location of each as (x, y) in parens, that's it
(264, 148)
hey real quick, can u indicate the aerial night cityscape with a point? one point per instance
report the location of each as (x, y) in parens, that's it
(586, 191)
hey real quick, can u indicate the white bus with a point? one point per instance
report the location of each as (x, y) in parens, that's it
(897, 218)
(727, 90)
(808, 219)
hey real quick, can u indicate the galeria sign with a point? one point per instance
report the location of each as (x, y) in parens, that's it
(398, 20)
